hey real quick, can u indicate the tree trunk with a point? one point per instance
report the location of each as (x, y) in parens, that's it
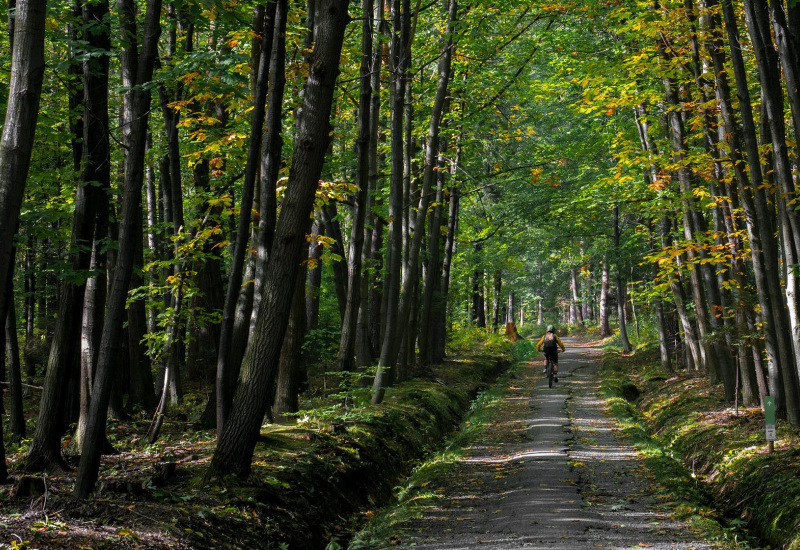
(576, 296)
(142, 392)
(440, 314)
(63, 363)
(314, 277)
(763, 246)
(333, 229)
(271, 154)
(227, 373)
(623, 329)
(354, 256)
(235, 446)
(118, 292)
(22, 111)
(17, 417)
(290, 365)
(605, 327)
(400, 59)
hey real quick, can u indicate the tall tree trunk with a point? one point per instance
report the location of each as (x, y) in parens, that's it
(497, 283)
(388, 355)
(290, 365)
(354, 256)
(440, 313)
(763, 246)
(227, 373)
(432, 289)
(118, 292)
(368, 335)
(17, 417)
(333, 229)
(400, 59)
(576, 296)
(142, 392)
(94, 301)
(22, 112)
(63, 364)
(271, 154)
(605, 327)
(235, 446)
(314, 277)
(772, 101)
(623, 329)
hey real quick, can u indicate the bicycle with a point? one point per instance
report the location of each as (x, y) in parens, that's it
(550, 371)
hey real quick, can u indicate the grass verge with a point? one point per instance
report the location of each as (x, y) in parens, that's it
(420, 489)
(710, 462)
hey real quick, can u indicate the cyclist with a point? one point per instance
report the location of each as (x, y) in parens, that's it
(549, 344)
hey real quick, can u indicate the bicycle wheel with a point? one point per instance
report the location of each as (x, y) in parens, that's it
(550, 373)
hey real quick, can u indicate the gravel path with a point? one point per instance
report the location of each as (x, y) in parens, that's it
(551, 472)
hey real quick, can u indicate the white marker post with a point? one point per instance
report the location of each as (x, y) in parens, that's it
(769, 417)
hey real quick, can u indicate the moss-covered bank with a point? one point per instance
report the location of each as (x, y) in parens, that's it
(712, 461)
(313, 483)
(311, 487)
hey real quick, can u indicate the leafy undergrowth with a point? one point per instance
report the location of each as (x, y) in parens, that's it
(712, 462)
(313, 483)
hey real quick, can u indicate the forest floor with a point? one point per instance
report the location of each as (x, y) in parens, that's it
(547, 469)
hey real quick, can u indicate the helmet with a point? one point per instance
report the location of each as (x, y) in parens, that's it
(550, 328)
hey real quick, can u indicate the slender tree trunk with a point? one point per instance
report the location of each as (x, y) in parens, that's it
(142, 392)
(227, 373)
(271, 154)
(290, 365)
(314, 277)
(235, 446)
(623, 329)
(605, 327)
(354, 256)
(432, 303)
(17, 417)
(400, 57)
(763, 245)
(131, 209)
(440, 314)
(333, 229)
(497, 283)
(577, 300)
(22, 111)
(63, 363)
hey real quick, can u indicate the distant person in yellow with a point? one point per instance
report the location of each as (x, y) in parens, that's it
(549, 344)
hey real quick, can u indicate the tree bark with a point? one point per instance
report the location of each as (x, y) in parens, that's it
(763, 246)
(400, 58)
(238, 438)
(605, 327)
(314, 277)
(271, 154)
(227, 373)
(290, 365)
(22, 112)
(623, 329)
(440, 313)
(354, 257)
(333, 229)
(131, 209)
(576, 296)
(17, 417)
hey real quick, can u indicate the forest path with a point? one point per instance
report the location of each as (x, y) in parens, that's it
(550, 472)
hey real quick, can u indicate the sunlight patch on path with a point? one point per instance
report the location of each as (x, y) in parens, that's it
(550, 473)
